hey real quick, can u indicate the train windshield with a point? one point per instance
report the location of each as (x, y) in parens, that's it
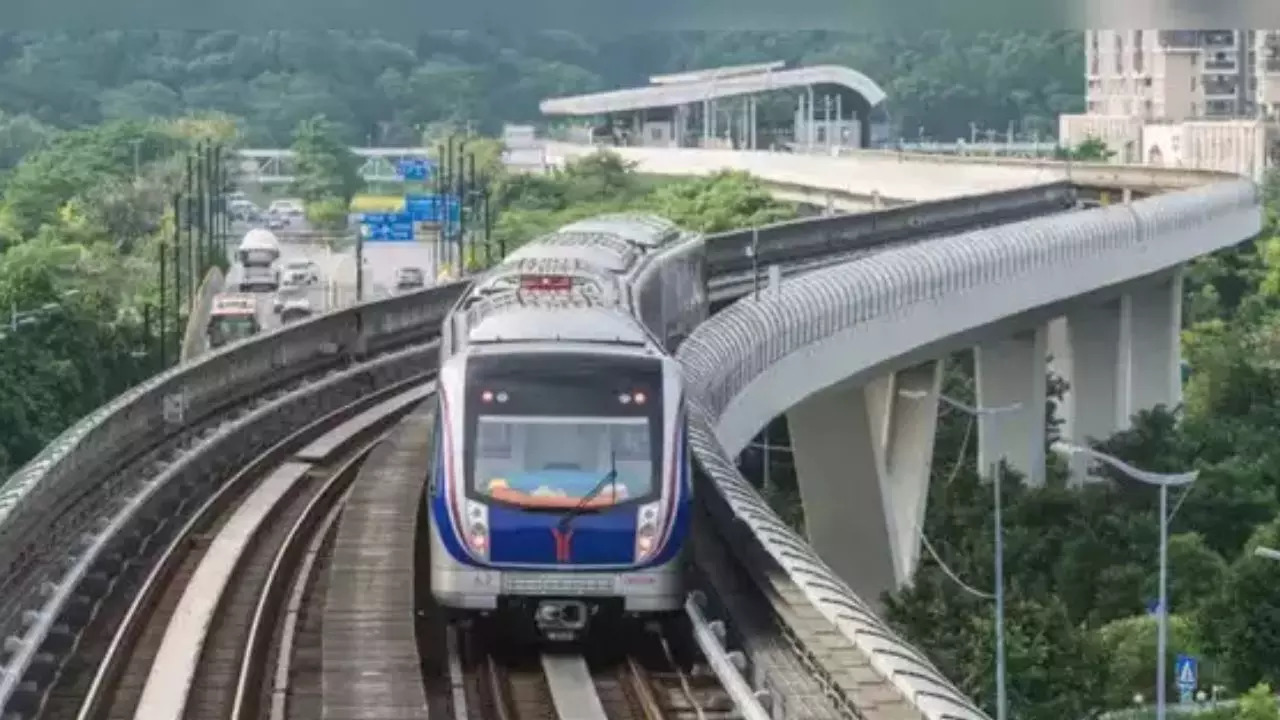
(546, 429)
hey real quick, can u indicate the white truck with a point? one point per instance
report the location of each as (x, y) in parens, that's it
(257, 255)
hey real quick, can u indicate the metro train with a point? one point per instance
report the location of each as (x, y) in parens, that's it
(560, 490)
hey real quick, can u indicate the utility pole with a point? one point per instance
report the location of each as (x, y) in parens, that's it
(484, 212)
(201, 232)
(469, 204)
(146, 336)
(190, 227)
(177, 257)
(441, 207)
(461, 181)
(162, 339)
(1163, 481)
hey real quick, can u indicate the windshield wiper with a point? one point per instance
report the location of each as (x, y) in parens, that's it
(609, 479)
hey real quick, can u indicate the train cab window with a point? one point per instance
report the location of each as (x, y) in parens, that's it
(493, 440)
(545, 429)
(560, 460)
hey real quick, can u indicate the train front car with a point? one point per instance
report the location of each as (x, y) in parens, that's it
(561, 487)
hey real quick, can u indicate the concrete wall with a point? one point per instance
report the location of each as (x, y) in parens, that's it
(196, 339)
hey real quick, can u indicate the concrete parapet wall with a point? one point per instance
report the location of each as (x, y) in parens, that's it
(859, 176)
(195, 340)
(35, 500)
(903, 176)
(853, 323)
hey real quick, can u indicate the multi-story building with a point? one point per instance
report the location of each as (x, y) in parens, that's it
(1267, 72)
(1177, 75)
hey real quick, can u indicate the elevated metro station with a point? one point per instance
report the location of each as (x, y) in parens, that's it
(722, 108)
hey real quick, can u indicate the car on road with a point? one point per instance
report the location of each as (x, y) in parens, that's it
(291, 288)
(307, 269)
(244, 211)
(281, 213)
(295, 309)
(233, 317)
(410, 278)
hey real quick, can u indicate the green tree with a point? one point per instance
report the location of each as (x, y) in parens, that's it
(1129, 644)
(1242, 623)
(724, 201)
(1092, 149)
(1258, 704)
(324, 166)
(73, 164)
(1196, 573)
(1052, 668)
(328, 214)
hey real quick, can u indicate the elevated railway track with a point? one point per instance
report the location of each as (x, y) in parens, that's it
(104, 533)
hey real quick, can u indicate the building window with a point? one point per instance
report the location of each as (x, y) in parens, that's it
(1119, 52)
(655, 132)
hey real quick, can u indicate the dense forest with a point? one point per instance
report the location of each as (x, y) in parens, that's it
(386, 92)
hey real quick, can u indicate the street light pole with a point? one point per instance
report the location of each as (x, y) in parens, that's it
(997, 482)
(1164, 482)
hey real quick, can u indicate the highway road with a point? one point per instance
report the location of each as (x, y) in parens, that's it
(337, 285)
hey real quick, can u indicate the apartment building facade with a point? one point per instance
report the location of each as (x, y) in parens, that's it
(1180, 75)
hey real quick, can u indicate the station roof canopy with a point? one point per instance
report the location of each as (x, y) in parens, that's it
(715, 84)
(713, 73)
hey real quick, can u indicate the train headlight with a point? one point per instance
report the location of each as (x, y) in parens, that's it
(476, 528)
(647, 531)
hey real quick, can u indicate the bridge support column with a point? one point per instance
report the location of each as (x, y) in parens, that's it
(1152, 313)
(1013, 371)
(1119, 358)
(863, 457)
(1086, 352)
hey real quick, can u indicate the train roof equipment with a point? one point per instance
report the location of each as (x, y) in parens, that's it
(647, 231)
(546, 275)
(613, 243)
(566, 315)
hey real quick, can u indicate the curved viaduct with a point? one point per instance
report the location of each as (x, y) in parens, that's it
(853, 355)
(830, 349)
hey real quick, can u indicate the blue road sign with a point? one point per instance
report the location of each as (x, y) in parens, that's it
(1186, 670)
(415, 169)
(1153, 607)
(427, 208)
(387, 227)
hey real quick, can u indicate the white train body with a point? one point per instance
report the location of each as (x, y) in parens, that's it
(560, 491)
